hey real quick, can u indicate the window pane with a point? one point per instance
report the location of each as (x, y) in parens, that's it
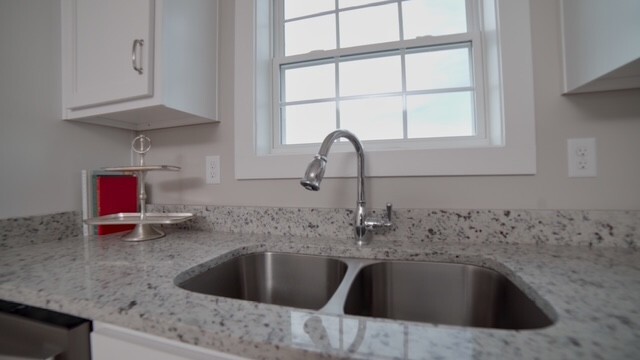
(303, 36)
(370, 25)
(433, 17)
(373, 119)
(438, 69)
(297, 8)
(311, 82)
(440, 115)
(349, 3)
(308, 123)
(370, 76)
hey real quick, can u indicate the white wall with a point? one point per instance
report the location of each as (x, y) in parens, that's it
(40, 155)
(613, 118)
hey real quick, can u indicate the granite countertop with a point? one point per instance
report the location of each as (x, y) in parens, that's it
(592, 293)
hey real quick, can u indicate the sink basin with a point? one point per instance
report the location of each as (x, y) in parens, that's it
(442, 293)
(301, 281)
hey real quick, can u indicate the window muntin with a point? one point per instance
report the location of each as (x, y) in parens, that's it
(411, 76)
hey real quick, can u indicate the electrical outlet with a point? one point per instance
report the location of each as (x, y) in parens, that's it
(212, 169)
(582, 157)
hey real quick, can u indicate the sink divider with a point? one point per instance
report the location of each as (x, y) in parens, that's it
(335, 305)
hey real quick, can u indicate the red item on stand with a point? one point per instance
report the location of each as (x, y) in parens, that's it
(116, 194)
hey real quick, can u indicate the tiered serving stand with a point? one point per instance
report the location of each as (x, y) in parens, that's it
(143, 220)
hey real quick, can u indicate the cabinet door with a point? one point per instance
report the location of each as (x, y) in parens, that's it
(601, 45)
(109, 39)
(110, 342)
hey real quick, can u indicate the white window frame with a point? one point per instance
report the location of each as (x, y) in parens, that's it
(509, 102)
(471, 39)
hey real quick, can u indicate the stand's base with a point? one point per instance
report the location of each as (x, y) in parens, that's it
(143, 232)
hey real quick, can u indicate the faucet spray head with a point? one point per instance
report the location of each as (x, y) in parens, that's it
(315, 172)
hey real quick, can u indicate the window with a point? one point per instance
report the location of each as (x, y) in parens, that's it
(386, 70)
(476, 120)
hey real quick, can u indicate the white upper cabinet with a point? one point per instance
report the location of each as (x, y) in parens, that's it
(140, 64)
(601, 41)
(108, 35)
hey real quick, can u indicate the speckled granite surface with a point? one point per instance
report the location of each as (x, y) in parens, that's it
(36, 229)
(593, 293)
(593, 228)
(424, 226)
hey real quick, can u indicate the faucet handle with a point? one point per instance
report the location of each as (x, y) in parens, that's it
(381, 222)
(389, 207)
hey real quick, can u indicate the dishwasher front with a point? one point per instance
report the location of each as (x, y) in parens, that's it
(28, 332)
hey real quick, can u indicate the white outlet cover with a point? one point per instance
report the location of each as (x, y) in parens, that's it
(581, 156)
(212, 169)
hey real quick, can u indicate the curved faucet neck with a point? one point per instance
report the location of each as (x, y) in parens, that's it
(326, 146)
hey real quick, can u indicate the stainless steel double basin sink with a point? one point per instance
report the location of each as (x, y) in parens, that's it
(441, 293)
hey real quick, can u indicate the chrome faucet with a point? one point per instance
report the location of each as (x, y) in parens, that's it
(362, 225)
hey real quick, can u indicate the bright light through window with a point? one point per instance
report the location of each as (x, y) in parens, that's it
(369, 25)
(356, 79)
(373, 118)
(377, 99)
(433, 18)
(299, 8)
(385, 70)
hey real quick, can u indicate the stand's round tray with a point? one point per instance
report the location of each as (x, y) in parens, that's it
(134, 218)
(144, 229)
(143, 168)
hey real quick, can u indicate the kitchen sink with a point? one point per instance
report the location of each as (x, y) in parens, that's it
(302, 281)
(440, 293)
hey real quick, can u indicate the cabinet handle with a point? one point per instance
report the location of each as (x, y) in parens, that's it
(137, 43)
